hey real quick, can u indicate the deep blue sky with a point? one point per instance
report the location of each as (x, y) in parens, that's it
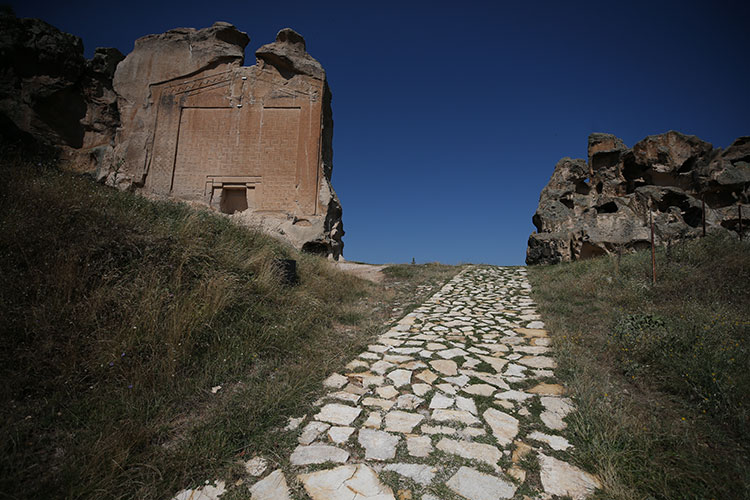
(450, 116)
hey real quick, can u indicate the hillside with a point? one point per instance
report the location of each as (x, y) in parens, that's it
(659, 372)
(147, 345)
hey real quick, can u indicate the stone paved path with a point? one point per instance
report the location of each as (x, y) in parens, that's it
(458, 400)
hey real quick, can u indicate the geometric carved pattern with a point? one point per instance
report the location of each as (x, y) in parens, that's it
(198, 83)
(244, 123)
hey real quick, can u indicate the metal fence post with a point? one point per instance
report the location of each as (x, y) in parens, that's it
(653, 247)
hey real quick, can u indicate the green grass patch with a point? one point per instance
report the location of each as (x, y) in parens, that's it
(119, 315)
(660, 373)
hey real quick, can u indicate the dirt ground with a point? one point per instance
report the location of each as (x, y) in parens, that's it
(369, 272)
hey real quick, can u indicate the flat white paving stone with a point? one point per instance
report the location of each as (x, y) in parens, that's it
(387, 392)
(560, 478)
(514, 370)
(272, 487)
(338, 414)
(419, 446)
(466, 404)
(447, 388)
(538, 362)
(378, 445)
(348, 482)
(336, 381)
(207, 492)
(555, 442)
(504, 427)
(318, 454)
(461, 416)
(452, 353)
(438, 429)
(460, 381)
(340, 434)
(473, 451)
(556, 409)
(445, 366)
(408, 401)
(400, 377)
(293, 423)
(474, 485)
(420, 389)
(311, 432)
(346, 396)
(440, 401)
(419, 473)
(480, 389)
(256, 466)
(514, 395)
(401, 421)
(374, 420)
(380, 367)
(385, 404)
(552, 420)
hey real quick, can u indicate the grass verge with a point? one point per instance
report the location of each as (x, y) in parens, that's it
(119, 319)
(659, 373)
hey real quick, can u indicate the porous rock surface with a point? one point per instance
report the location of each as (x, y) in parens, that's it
(50, 95)
(601, 206)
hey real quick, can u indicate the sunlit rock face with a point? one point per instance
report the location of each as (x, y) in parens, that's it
(602, 206)
(254, 142)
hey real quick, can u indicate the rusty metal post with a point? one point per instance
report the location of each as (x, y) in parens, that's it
(703, 212)
(739, 212)
(653, 247)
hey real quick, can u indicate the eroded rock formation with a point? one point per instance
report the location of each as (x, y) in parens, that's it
(252, 141)
(181, 117)
(602, 206)
(50, 95)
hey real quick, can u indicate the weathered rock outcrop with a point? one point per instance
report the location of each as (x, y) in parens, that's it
(254, 142)
(51, 95)
(602, 206)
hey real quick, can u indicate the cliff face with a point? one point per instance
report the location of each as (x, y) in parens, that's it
(181, 117)
(254, 142)
(51, 95)
(601, 206)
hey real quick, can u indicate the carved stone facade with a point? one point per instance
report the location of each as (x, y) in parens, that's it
(251, 141)
(244, 130)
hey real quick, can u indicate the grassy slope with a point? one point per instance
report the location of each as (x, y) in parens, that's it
(117, 317)
(660, 373)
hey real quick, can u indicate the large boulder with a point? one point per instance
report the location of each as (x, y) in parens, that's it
(51, 95)
(604, 205)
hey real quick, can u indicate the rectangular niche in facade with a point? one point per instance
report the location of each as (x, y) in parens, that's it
(235, 199)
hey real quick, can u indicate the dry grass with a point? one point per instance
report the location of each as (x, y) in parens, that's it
(660, 373)
(117, 317)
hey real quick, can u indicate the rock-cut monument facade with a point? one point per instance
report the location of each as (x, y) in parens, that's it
(251, 141)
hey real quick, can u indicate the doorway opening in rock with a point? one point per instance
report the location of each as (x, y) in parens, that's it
(233, 199)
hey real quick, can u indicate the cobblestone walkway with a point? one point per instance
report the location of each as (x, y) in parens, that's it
(458, 400)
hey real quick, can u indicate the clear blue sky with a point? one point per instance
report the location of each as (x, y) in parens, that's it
(450, 117)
